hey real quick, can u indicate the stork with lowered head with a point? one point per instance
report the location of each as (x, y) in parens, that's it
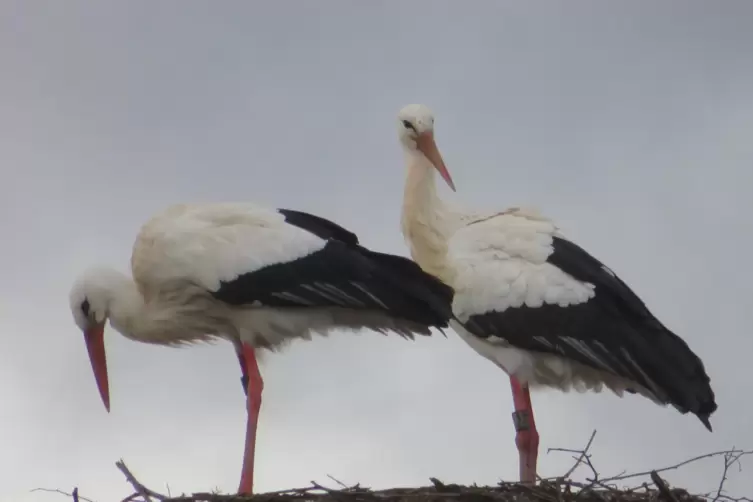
(257, 277)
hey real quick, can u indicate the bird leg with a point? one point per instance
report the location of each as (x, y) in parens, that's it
(526, 436)
(254, 386)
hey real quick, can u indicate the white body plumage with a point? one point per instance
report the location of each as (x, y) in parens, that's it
(257, 277)
(185, 257)
(534, 303)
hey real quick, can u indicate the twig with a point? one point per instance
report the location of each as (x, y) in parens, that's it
(663, 488)
(677, 466)
(724, 478)
(582, 456)
(444, 488)
(578, 460)
(74, 494)
(338, 481)
(730, 459)
(330, 491)
(140, 489)
(131, 498)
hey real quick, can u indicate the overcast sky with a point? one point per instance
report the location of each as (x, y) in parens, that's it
(629, 123)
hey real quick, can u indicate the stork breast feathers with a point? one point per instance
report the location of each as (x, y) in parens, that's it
(501, 262)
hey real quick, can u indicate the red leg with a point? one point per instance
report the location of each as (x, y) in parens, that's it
(253, 400)
(526, 437)
(244, 368)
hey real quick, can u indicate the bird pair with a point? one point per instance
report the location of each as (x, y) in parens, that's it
(508, 283)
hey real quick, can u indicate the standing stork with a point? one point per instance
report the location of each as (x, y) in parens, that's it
(536, 304)
(257, 277)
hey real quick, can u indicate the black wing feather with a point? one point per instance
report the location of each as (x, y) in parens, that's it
(614, 332)
(613, 293)
(581, 265)
(321, 227)
(343, 274)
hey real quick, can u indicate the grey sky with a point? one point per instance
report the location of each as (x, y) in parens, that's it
(629, 123)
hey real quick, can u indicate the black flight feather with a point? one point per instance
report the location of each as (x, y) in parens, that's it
(614, 332)
(343, 274)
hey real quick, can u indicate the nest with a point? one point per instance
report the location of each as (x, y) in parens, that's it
(546, 491)
(647, 486)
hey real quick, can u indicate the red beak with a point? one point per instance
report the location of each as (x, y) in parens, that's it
(95, 345)
(427, 146)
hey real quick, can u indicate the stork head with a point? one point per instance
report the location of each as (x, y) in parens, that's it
(416, 131)
(90, 299)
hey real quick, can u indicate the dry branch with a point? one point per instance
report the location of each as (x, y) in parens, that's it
(73, 495)
(595, 488)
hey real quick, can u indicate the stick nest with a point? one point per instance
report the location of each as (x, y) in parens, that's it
(546, 491)
(647, 486)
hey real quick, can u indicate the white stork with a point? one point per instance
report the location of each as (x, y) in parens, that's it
(536, 304)
(257, 277)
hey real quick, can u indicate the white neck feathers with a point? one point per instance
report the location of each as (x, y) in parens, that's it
(426, 222)
(166, 320)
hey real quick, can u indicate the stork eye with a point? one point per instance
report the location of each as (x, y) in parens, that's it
(85, 308)
(408, 125)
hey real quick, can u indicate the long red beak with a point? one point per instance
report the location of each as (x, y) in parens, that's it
(95, 345)
(427, 146)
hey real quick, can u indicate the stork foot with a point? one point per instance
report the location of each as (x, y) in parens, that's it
(526, 435)
(254, 388)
